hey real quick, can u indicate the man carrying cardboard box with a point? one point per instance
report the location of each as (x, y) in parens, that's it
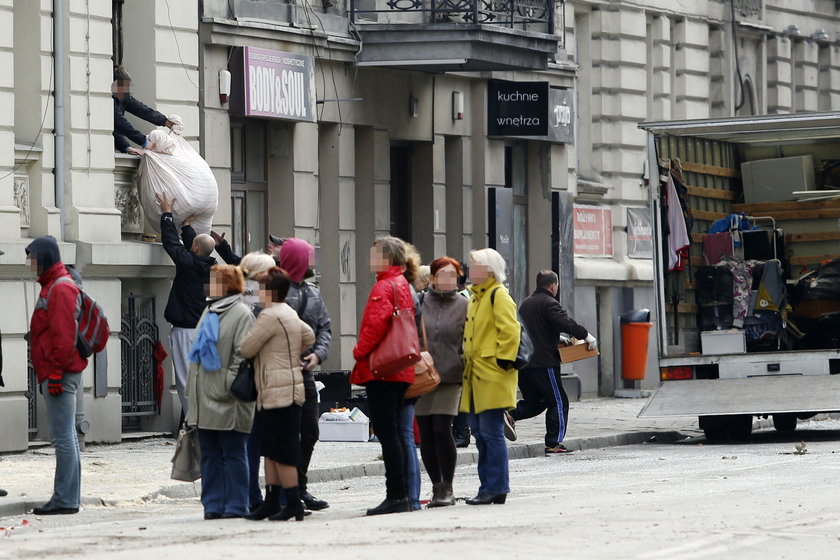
(546, 322)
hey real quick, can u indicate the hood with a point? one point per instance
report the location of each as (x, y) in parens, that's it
(45, 251)
(223, 304)
(295, 258)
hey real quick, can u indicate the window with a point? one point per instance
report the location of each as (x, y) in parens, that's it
(249, 186)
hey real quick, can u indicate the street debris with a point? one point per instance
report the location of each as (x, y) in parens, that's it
(801, 448)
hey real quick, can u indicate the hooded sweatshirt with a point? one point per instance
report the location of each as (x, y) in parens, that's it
(295, 258)
(53, 326)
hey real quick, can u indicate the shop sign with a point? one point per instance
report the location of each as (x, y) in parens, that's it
(639, 234)
(593, 231)
(517, 108)
(273, 84)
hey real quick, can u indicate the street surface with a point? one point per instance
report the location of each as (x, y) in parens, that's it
(653, 501)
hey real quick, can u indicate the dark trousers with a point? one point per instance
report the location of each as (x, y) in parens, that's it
(309, 432)
(224, 471)
(542, 391)
(255, 497)
(385, 402)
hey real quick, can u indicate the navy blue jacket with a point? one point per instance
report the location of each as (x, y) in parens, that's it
(192, 272)
(123, 128)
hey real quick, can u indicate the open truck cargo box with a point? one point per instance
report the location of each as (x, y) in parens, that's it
(792, 376)
(753, 395)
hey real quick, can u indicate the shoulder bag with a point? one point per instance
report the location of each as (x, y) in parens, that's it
(526, 347)
(244, 387)
(426, 376)
(400, 347)
(186, 463)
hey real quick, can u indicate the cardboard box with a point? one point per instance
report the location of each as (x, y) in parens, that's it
(730, 341)
(343, 431)
(575, 352)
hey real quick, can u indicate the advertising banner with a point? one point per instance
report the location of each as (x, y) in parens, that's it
(273, 84)
(517, 108)
(639, 234)
(593, 231)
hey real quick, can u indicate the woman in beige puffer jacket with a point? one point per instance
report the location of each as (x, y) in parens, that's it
(276, 342)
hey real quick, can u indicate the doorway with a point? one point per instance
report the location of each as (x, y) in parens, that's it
(249, 186)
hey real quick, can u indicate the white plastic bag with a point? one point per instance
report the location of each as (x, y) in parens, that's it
(171, 166)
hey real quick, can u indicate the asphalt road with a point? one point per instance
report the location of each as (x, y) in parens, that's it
(654, 501)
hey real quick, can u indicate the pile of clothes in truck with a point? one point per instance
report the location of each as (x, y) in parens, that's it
(742, 285)
(816, 303)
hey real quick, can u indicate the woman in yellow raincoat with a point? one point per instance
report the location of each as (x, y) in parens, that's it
(491, 341)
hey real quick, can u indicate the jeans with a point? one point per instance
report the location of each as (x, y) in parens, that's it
(309, 431)
(61, 412)
(385, 402)
(412, 465)
(489, 432)
(224, 471)
(255, 497)
(181, 340)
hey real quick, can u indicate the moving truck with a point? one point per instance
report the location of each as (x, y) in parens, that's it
(748, 320)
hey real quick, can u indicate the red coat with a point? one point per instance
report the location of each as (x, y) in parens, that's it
(375, 321)
(52, 331)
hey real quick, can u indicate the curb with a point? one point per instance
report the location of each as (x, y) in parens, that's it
(190, 490)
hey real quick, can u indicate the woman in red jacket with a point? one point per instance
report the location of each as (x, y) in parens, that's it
(388, 260)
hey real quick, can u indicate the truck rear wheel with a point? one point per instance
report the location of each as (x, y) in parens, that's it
(784, 422)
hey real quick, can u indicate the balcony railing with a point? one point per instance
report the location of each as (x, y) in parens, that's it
(527, 15)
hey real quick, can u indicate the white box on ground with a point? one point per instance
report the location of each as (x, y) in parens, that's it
(346, 425)
(730, 341)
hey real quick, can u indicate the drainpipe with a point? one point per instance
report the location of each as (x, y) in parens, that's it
(59, 56)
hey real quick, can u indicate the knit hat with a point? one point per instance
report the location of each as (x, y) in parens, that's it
(296, 256)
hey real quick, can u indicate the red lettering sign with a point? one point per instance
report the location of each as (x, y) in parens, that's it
(593, 231)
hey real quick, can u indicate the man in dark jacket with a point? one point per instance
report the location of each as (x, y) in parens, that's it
(186, 297)
(58, 367)
(546, 322)
(124, 101)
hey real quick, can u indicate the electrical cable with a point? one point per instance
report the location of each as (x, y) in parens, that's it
(178, 46)
(46, 110)
(332, 69)
(741, 79)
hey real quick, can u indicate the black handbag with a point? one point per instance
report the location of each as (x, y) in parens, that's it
(244, 387)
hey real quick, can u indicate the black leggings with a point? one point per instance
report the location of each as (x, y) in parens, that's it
(385, 403)
(437, 446)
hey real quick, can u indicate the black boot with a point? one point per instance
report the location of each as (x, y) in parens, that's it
(269, 507)
(313, 503)
(294, 507)
(391, 505)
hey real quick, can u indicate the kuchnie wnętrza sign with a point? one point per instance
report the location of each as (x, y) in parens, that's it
(517, 108)
(273, 84)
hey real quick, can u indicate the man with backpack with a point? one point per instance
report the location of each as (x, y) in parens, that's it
(58, 367)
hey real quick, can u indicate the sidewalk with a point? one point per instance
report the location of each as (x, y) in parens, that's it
(137, 471)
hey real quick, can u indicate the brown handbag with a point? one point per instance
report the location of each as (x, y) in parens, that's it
(426, 376)
(400, 347)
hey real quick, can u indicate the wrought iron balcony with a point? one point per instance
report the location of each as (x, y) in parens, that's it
(526, 15)
(447, 35)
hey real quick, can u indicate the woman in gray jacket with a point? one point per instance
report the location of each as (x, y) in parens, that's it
(276, 342)
(223, 421)
(444, 311)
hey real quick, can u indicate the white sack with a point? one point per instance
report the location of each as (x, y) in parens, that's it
(172, 167)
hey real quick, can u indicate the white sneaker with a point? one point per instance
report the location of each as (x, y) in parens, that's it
(510, 426)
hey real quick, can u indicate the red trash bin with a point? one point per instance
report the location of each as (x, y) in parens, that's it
(634, 350)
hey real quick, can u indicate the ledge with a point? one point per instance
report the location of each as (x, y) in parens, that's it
(608, 270)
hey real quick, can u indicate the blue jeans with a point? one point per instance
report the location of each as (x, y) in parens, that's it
(489, 431)
(61, 412)
(255, 497)
(412, 465)
(224, 471)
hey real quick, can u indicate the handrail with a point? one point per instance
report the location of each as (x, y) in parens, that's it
(508, 13)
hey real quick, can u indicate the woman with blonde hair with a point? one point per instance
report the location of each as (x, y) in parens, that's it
(223, 421)
(491, 342)
(390, 262)
(252, 265)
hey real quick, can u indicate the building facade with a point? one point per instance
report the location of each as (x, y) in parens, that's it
(344, 121)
